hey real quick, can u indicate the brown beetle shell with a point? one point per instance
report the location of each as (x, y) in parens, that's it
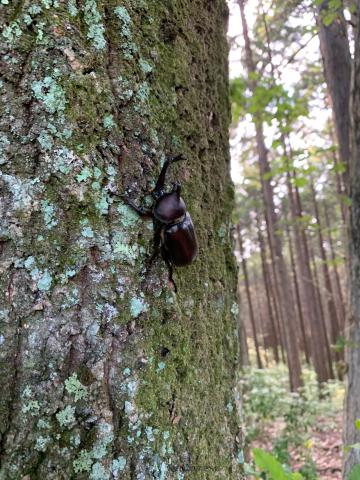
(179, 242)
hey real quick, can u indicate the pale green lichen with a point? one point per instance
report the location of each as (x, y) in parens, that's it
(98, 472)
(142, 95)
(45, 141)
(123, 250)
(72, 8)
(49, 214)
(93, 20)
(63, 160)
(118, 465)
(87, 232)
(235, 309)
(103, 204)
(83, 462)
(4, 144)
(44, 282)
(124, 17)
(34, 9)
(138, 306)
(43, 424)
(42, 443)
(75, 440)
(66, 416)
(51, 94)
(12, 31)
(75, 387)
(149, 434)
(230, 408)
(128, 218)
(108, 122)
(84, 175)
(29, 262)
(145, 66)
(32, 407)
(161, 366)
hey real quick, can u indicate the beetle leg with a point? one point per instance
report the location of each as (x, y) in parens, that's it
(143, 212)
(170, 267)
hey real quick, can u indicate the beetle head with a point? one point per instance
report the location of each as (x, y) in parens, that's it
(170, 207)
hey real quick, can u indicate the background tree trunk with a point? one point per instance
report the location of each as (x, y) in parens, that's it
(282, 279)
(335, 51)
(352, 402)
(106, 373)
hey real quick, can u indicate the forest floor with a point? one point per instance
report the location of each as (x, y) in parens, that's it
(302, 432)
(324, 444)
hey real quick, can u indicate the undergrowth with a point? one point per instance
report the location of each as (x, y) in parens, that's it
(267, 401)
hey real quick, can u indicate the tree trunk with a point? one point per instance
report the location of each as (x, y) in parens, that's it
(352, 403)
(331, 307)
(266, 283)
(297, 296)
(340, 296)
(106, 373)
(249, 299)
(321, 313)
(335, 51)
(282, 276)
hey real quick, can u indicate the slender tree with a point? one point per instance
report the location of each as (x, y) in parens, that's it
(352, 403)
(267, 284)
(249, 298)
(282, 276)
(331, 308)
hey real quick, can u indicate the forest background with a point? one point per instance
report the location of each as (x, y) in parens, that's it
(290, 68)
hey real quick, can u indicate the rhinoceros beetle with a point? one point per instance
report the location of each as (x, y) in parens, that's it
(174, 234)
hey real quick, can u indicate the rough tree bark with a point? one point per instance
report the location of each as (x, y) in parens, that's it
(106, 373)
(352, 402)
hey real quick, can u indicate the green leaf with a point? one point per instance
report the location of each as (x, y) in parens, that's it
(357, 423)
(268, 463)
(339, 167)
(354, 446)
(355, 473)
(300, 182)
(352, 8)
(329, 18)
(346, 200)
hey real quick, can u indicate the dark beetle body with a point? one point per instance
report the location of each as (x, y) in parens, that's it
(179, 242)
(174, 230)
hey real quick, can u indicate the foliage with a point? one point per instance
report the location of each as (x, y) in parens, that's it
(268, 464)
(267, 400)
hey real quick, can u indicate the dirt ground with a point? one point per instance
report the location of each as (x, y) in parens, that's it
(325, 445)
